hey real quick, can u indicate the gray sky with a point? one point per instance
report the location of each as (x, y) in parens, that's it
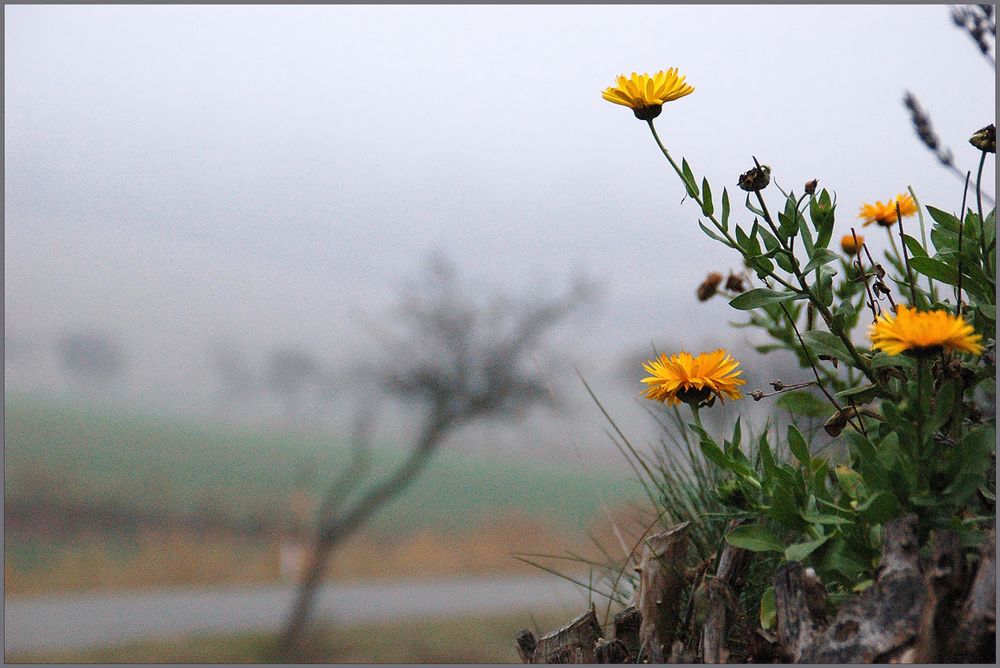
(259, 174)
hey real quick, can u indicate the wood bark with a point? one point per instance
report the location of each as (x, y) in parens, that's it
(526, 644)
(572, 643)
(721, 595)
(882, 623)
(975, 640)
(626, 625)
(946, 579)
(661, 583)
(799, 603)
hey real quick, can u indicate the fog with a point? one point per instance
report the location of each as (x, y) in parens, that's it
(248, 178)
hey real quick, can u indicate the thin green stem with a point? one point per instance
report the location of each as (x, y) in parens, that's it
(979, 210)
(697, 198)
(906, 257)
(923, 240)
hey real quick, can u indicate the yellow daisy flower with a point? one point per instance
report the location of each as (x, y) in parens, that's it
(848, 246)
(927, 331)
(699, 380)
(645, 95)
(885, 214)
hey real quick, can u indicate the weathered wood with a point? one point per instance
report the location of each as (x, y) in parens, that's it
(720, 596)
(975, 640)
(572, 643)
(799, 601)
(946, 579)
(526, 645)
(881, 624)
(626, 625)
(612, 651)
(661, 583)
(713, 631)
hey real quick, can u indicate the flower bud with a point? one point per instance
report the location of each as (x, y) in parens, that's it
(985, 139)
(811, 186)
(848, 245)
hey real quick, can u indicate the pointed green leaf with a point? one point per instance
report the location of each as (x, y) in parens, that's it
(759, 297)
(754, 538)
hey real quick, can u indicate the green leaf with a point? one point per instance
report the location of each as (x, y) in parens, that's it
(754, 538)
(714, 454)
(768, 609)
(944, 219)
(825, 343)
(914, 247)
(759, 297)
(707, 207)
(800, 551)
(725, 209)
(860, 394)
(713, 235)
(935, 269)
(801, 402)
(783, 507)
(850, 482)
(821, 257)
(766, 458)
(822, 518)
(797, 444)
(879, 508)
(689, 181)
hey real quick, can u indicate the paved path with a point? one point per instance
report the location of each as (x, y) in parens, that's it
(46, 622)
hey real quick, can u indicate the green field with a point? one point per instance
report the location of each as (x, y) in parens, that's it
(67, 454)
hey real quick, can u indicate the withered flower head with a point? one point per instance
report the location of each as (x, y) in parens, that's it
(985, 139)
(755, 179)
(709, 286)
(811, 186)
(735, 283)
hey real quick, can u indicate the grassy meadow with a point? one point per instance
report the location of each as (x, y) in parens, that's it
(171, 501)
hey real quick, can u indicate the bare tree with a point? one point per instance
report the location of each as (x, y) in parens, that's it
(459, 362)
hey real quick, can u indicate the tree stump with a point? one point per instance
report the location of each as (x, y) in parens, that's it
(661, 583)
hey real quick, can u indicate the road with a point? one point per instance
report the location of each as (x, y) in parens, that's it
(59, 622)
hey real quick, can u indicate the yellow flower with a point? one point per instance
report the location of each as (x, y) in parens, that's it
(645, 95)
(885, 214)
(848, 246)
(698, 380)
(912, 330)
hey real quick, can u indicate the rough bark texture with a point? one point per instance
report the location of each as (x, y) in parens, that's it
(975, 641)
(526, 644)
(661, 583)
(612, 651)
(627, 623)
(939, 611)
(946, 579)
(882, 623)
(800, 602)
(721, 593)
(573, 643)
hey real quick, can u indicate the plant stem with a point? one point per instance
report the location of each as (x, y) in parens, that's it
(906, 257)
(979, 210)
(697, 198)
(923, 240)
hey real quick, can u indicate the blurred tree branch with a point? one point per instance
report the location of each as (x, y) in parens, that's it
(460, 362)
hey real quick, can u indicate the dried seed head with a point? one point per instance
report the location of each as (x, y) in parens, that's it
(985, 139)
(811, 186)
(709, 286)
(755, 179)
(735, 283)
